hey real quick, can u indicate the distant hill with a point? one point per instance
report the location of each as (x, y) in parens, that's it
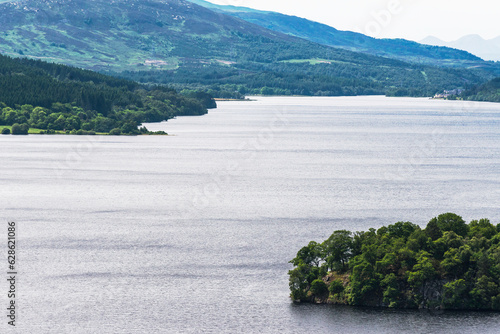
(400, 49)
(475, 44)
(180, 43)
(136, 34)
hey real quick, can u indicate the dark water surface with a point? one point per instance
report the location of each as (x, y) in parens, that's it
(193, 232)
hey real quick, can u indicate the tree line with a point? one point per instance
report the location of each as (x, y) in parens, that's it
(489, 92)
(313, 78)
(57, 97)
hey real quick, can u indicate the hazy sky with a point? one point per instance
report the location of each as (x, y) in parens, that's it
(409, 19)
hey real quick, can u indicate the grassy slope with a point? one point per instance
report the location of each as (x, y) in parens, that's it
(133, 35)
(58, 97)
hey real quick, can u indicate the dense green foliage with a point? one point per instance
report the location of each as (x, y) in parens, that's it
(447, 265)
(314, 78)
(489, 91)
(177, 42)
(20, 129)
(57, 97)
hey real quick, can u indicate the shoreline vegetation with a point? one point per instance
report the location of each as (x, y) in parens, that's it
(57, 99)
(487, 92)
(135, 129)
(37, 97)
(448, 265)
(24, 129)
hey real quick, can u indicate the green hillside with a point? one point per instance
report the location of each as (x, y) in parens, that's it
(400, 49)
(129, 34)
(489, 91)
(180, 43)
(55, 97)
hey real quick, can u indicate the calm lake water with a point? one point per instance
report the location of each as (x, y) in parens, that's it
(192, 233)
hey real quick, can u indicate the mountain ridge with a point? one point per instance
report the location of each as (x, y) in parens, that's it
(487, 49)
(399, 49)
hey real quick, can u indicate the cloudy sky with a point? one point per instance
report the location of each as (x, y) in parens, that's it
(409, 19)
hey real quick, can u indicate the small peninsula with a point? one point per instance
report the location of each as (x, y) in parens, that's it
(448, 265)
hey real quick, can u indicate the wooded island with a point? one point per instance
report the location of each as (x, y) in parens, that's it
(447, 265)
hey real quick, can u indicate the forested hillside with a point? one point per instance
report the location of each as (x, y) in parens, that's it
(314, 77)
(56, 97)
(399, 49)
(489, 91)
(180, 43)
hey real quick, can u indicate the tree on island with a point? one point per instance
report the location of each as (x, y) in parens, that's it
(447, 265)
